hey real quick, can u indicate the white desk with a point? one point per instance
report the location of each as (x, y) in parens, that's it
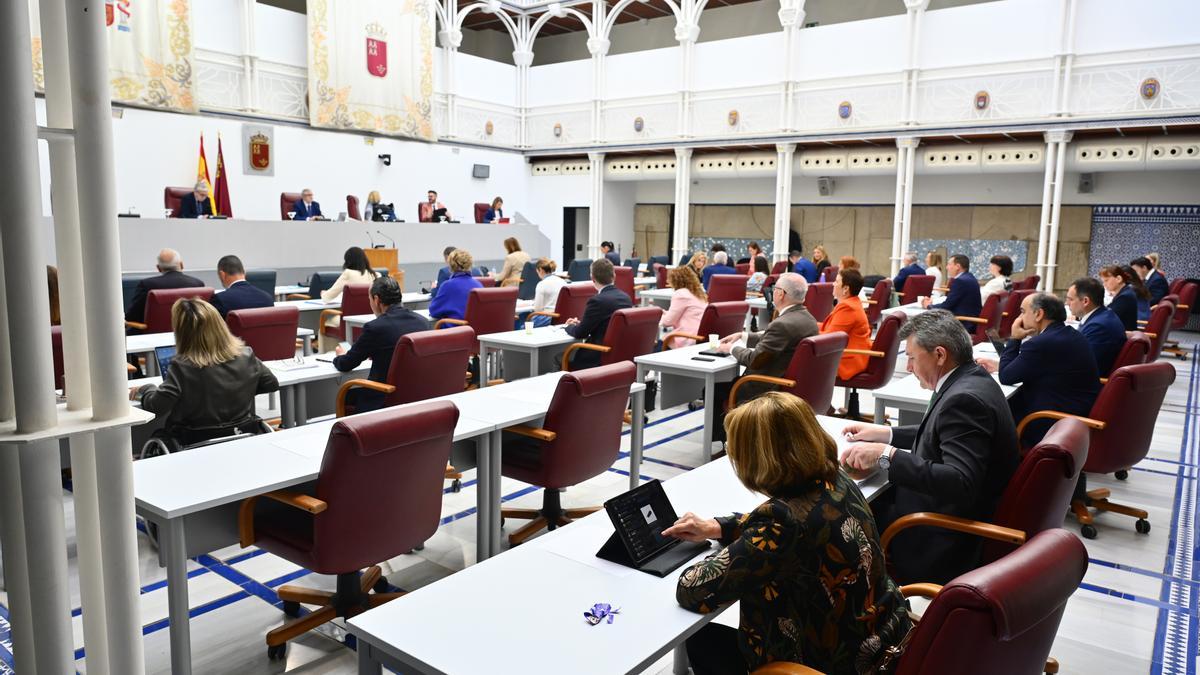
(356, 321)
(678, 370)
(542, 589)
(146, 343)
(910, 310)
(645, 281)
(907, 395)
(281, 292)
(656, 296)
(546, 339)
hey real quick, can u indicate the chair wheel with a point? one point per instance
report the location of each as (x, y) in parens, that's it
(277, 652)
(1122, 474)
(381, 586)
(1088, 531)
(456, 486)
(1142, 526)
(693, 406)
(291, 608)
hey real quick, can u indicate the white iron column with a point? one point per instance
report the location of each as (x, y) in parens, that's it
(1044, 216)
(916, 12)
(598, 47)
(48, 636)
(451, 40)
(12, 520)
(1064, 59)
(910, 162)
(906, 151)
(523, 58)
(1061, 138)
(596, 212)
(785, 154)
(95, 165)
(249, 61)
(683, 198)
(791, 17)
(686, 34)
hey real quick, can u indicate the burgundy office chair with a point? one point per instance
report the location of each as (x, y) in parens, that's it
(352, 210)
(623, 280)
(1133, 353)
(1159, 326)
(489, 310)
(722, 318)
(779, 267)
(378, 495)
(881, 299)
(830, 273)
(811, 373)
(631, 332)
(819, 300)
(56, 350)
(914, 286)
(172, 196)
(660, 275)
(572, 299)
(579, 439)
(269, 331)
(481, 209)
(1187, 293)
(1122, 421)
(989, 317)
(742, 268)
(356, 300)
(881, 363)
(727, 287)
(487, 281)
(1029, 283)
(286, 201)
(1012, 309)
(158, 307)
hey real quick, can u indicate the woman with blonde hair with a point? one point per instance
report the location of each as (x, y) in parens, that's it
(697, 263)
(806, 564)
(208, 391)
(933, 267)
(514, 262)
(373, 207)
(545, 296)
(820, 258)
(688, 301)
(451, 300)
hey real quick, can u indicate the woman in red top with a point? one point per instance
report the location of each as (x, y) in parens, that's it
(849, 317)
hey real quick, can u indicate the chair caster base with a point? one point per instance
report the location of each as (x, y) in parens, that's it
(693, 406)
(1088, 531)
(381, 586)
(456, 486)
(1121, 475)
(1142, 526)
(291, 609)
(277, 652)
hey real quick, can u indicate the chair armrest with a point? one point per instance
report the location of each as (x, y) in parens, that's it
(532, 432)
(778, 381)
(785, 668)
(864, 352)
(571, 349)
(135, 324)
(972, 319)
(449, 322)
(954, 523)
(365, 384)
(666, 341)
(944, 289)
(921, 590)
(1143, 322)
(1104, 380)
(753, 294)
(299, 296)
(1055, 415)
(872, 302)
(1003, 313)
(552, 315)
(325, 314)
(246, 510)
(1182, 306)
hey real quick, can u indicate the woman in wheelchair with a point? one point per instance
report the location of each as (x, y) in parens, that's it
(208, 391)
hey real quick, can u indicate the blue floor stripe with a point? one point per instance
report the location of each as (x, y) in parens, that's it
(1143, 572)
(1165, 606)
(6, 657)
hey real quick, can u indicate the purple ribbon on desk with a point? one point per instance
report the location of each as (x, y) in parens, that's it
(599, 611)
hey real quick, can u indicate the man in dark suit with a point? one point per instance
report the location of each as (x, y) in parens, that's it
(1054, 366)
(720, 265)
(238, 293)
(377, 341)
(1155, 282)
(171, 267)
(964, 298)
(1098, 324)
(963, 452)
(196, 204)
(910, 268)
(306, 208)
(592, 326)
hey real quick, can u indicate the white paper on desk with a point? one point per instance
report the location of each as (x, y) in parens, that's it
(307, 441)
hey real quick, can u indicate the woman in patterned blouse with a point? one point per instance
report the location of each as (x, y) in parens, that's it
(806, 564)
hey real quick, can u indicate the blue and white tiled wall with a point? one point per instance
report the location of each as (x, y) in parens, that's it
(735, 247)
(1122, 233)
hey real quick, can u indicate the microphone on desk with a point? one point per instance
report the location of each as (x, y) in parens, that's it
(386, 237)
(372, 239)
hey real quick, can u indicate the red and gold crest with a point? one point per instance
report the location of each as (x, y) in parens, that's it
(377, 50)
(260, 152)
(108, 13)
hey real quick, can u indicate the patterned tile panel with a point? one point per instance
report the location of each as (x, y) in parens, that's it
(1122, 233)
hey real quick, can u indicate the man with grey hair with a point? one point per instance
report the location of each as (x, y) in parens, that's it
(910, 268)
(170, 266)
(770, 351)
(956, 462)
(720, 265)
(197, 204)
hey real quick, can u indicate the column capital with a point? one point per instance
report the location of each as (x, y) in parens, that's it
(450, 38)
(683, 154)
(1059, 136)
(689, 32)
(598, 46)
(596, 156)
(491, 6)
(785, 148)
(908, 142)
(916, 5)
(522, 57)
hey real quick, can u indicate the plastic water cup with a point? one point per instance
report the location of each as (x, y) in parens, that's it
(167, 212)
(920, 300)
(529, 328)
(291, 215)
(713, 340)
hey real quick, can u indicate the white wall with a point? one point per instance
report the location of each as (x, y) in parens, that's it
(485, 80)
(559, 83)
(1115, 25)
(992, 32)
(647, 73)
(279, 35)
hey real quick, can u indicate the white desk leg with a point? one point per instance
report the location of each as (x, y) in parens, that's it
(367, 665)
(287, 407)
(636, 432)
(880, 411)
(483, 365)
(681, 665)
(306, 345)
(709, 405)
(483, 497)
(533, 362)
(171, 537)
(300, 413)
(152, 364)
(496, 450)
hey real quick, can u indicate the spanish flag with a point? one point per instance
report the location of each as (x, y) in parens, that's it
(202, 166)
(220, 191)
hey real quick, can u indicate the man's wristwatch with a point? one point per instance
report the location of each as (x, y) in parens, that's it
(885, 458)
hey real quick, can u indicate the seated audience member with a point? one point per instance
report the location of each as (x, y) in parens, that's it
(496, 212)
(849, 262)
(1154, 280)
(820, 259)
(238, 293)
(210, 387)
(377, 341)
(1001, 267)
(592, 326)
(376, 210)
(720, 265)
(545, 296)
(514, 262)
(451, 299)
(444, 273)
(1054, 366)
(432, 210)
(688, 302)
(1097, 323)
(963, 298)
(933, 267)
(1156, 260)
(306, 208)
(753, 250)
(803, 266)
(1124, 301)
(52, 288)
(697, 263)
(717, 247)
(760, 271)
(963, 452)
(355, 270)
(770, 351)
(777, 448)
(609, 251)
(849, 317)
(910, 268)
(1140, 292)
(197, 203)
(170, 266)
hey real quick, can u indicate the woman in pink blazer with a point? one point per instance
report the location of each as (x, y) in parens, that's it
(687, 306)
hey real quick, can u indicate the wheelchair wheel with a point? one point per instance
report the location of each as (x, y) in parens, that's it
(154, 448)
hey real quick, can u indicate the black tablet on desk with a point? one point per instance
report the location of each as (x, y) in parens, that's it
(639, 517)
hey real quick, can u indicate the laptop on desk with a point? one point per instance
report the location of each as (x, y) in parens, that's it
(164, 355)
(639, 517)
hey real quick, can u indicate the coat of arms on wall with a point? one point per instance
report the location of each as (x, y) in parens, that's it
(1150, 88)
(489, 128)
(733, 118)
(376, 50)
(260, 152)
(845, 110)
(982, 100)
(639, 124)
(557, 130)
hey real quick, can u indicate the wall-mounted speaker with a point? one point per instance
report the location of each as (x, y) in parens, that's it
(481, 171)
(1087, 183)
(825, 186)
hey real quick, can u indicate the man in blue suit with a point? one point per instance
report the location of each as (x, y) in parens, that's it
(238, 293)
(720, 265)
(1155, 282)
(963, 298)
(196, 204)
(1098, 324)
(803, 266)
(910, 268)
(592, 326)
(377, 341)
(1055, 366)
(306, 208)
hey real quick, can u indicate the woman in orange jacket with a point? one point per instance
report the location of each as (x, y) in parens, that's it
(849, 317)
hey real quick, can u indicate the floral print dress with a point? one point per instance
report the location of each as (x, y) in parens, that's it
(810, 575)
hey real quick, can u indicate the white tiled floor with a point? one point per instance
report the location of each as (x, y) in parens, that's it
(1101, 632)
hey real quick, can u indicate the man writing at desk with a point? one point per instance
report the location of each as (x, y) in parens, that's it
(197, 204)
(306, 208)
(431, 210)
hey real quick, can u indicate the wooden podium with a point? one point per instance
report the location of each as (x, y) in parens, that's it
(387, 258)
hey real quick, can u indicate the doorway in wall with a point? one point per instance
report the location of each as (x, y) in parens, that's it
(575, 233)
